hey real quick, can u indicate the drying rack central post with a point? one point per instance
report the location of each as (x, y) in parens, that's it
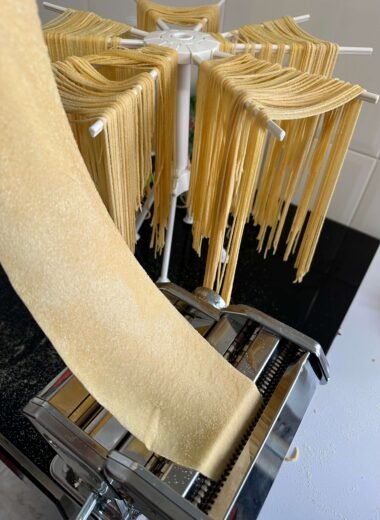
(190, 45)
(181, 174)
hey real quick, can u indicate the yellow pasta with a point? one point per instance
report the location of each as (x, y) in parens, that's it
(119, 158)
(306, 52)
(79, 33)
(117, 65)
(64, 256)
(148, 13)
(228, 156)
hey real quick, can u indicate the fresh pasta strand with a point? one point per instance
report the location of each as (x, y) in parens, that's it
(119, 158)
(148, 13)
(348, 115)
(117, 65)
(80, 32)
(225, 45)
(228, 156)
(281, 171)
(307, 53)
(209, 142)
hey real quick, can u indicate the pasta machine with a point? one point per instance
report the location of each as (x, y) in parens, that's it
(112, 475)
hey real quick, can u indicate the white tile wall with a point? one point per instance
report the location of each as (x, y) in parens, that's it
(352, 182)
(356, 173)
(347, 22)
(367, 215)
(47, 15)
(120, 9)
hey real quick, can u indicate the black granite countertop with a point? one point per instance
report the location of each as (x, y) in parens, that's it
(316, 307)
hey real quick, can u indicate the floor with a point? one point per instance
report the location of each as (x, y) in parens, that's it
(337, 475)
(19, 500)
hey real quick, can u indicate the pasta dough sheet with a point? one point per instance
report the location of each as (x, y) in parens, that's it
(121, 337)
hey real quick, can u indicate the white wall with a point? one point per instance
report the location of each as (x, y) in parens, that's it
(356, 200)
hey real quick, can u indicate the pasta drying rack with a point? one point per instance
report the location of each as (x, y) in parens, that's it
(192, 46)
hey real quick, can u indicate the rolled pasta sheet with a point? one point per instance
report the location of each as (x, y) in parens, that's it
(120, 336)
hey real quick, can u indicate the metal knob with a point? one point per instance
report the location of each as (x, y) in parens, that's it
(211, 297)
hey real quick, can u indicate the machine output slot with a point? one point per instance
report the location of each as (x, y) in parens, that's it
(108, 432)
(200, 321)
(85, 411)
(136, 450)
(102, 412)
(241, 343)
(257, 354)
(224, 333)
(70, 396)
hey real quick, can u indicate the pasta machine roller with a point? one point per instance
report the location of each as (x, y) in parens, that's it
(112, 475)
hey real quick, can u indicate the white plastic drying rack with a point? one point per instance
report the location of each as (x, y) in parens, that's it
(193, 47)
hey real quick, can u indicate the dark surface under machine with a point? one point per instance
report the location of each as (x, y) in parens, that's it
(104, 467)
(28, 361)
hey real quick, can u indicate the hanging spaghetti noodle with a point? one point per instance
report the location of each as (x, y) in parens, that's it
(306, 52)
(119, 158)
(148, 13)
(229, 153)
(119, 64)
(77, 33)
(80, 33)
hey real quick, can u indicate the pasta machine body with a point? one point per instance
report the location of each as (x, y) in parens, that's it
(112, 475)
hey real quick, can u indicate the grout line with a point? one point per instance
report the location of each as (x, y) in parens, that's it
(365, 154)
(372, 172)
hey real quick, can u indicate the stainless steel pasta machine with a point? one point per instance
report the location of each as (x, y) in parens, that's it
(112, 475)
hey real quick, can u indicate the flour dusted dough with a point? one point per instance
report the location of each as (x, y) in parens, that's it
(69, 264)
